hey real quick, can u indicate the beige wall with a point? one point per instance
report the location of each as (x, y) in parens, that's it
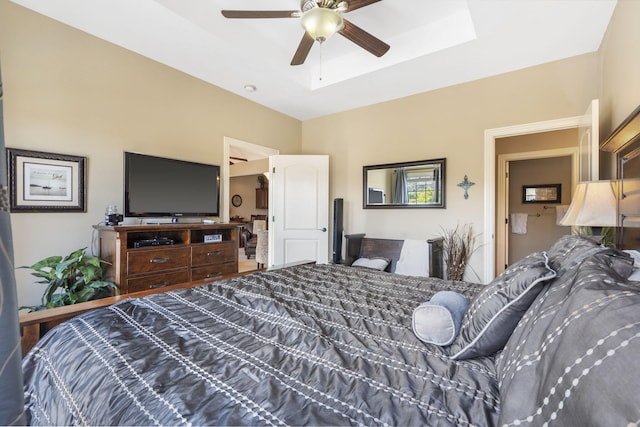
(620, 66)
(253, 167)
(451, 122)
(70, 93)
(620, 71)
(537, 141)
(444, 123)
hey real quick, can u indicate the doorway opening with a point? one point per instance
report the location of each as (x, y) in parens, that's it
(538, 222)
(588, 160)
(241, 149)
(249, 165)
(490, 137)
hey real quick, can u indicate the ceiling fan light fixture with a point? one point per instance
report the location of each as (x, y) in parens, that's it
(321, 23)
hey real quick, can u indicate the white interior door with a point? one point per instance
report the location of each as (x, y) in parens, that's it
(299, 214)
(589, 143)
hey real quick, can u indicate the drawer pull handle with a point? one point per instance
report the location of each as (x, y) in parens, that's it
(158, 260)
(214, 253)
(210, 275)
(158, 285)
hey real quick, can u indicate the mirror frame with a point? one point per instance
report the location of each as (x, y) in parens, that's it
(544, 193)
(365, 186)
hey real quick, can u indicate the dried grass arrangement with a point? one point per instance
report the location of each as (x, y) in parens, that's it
(458, 244)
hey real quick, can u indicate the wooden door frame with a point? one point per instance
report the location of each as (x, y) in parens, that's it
(501, 205)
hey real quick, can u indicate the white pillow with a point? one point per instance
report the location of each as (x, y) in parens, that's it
(414, 258)
(376, 263)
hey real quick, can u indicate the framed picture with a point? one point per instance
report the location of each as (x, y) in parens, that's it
(46, 182)
(546, 193)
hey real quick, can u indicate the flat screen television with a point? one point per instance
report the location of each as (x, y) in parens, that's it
(162, 187)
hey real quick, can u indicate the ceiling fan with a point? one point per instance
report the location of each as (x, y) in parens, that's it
(321, 19)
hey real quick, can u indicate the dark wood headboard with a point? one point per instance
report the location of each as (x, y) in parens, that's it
(357, 245)
(624, 143)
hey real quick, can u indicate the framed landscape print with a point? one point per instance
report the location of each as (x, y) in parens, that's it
(46, 182)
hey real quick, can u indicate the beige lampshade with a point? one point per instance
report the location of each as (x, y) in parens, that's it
(594, 204)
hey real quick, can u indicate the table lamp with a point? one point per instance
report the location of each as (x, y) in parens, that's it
(594, 205)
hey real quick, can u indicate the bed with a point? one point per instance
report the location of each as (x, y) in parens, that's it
(427, 261)
(310, 344)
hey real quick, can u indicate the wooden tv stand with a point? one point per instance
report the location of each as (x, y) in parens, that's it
(153, 256)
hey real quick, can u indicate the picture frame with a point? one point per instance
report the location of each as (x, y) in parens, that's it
(424, 185)
(46, 182)
(544, 193)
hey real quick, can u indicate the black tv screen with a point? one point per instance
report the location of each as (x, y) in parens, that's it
(162, 187)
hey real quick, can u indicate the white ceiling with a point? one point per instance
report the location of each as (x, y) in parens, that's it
(434, 43)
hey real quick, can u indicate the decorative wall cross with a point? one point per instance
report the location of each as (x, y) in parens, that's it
(465, 184)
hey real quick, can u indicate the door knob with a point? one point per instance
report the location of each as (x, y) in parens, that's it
(323, 229)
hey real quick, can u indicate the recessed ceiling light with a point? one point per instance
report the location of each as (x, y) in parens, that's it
(250, 88)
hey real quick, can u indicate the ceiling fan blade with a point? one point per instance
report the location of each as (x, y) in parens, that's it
(303, 49)
(357, 4)
(261, 13)
(364, 39)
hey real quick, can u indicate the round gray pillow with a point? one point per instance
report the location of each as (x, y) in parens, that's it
(438, 320)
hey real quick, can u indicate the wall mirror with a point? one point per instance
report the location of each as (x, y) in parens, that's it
(418, 184)
(548, 193)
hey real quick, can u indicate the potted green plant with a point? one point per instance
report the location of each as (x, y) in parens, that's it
(607, 236)
(74, 278)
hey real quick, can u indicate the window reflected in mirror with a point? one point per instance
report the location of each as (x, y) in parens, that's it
(418, 184)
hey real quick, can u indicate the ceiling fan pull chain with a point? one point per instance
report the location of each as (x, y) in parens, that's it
(321, 60)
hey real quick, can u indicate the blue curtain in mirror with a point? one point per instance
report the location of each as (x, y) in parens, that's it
(400, 196)
(437, 194)
(11, 394)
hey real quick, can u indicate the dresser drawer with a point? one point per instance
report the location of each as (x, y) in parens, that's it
(147, 261)
(212, 271)
(153, 281)
(215, 253)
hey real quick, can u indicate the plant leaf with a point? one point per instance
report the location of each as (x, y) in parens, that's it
(90, 272)
(32, 308)
(50, 291)
(71, 279)
(47, 262)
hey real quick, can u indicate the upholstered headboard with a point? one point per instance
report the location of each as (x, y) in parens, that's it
(357, 245)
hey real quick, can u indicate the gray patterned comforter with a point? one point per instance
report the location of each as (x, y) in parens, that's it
(574, 358)
(306, 345)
